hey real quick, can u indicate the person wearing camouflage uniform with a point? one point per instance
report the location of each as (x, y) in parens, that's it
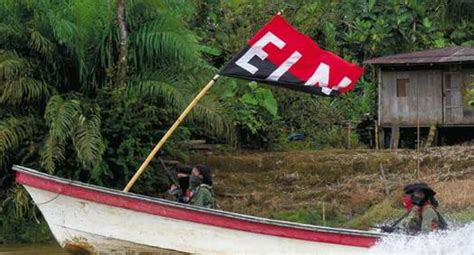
(422, 216)
(202, 195)
(420, 219)
(200, 189)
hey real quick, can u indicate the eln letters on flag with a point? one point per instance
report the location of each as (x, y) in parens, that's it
(280, 55)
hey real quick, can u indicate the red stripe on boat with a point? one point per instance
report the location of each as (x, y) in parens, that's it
(185, 214)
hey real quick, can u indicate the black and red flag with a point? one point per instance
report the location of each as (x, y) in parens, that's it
(280, 55)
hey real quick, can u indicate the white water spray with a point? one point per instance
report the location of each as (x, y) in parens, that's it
(459, 241)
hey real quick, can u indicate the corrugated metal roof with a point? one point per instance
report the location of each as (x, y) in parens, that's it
(444, 55)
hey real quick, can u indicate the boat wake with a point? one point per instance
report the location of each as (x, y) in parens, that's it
(453, 242)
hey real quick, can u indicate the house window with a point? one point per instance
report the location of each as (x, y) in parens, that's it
(402, 87)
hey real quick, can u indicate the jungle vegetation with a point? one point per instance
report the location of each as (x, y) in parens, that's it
(88, 87)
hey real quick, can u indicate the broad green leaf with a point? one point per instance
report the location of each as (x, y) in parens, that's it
(426, 22)
(210, 50)
(439, 43)
(229, 90)
(249, 99)
(267, 100)
(371, 4)
(253, 85)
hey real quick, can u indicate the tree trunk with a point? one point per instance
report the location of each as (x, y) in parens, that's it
(122, 61)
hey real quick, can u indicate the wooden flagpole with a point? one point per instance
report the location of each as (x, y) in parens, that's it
(169, 133)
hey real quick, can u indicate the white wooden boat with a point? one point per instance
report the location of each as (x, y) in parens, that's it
(105, 221)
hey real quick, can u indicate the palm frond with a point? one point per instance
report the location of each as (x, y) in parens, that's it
(11, 32)
(62, 116)
(18, 196)
(11, 65)
(158, 5)
(90, 18)
(141, 11)
(68, 119)
(52, 154)
(183, 8)
(210, 115)
(42, 45)
(13, 131)
(6, 6)
(159, 90)
(165, 41)
(207, 113)
(88, 141)
(65, 31)
(11, 25)
(25, 90)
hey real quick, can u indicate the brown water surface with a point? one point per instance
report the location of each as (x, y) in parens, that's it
(32, 249)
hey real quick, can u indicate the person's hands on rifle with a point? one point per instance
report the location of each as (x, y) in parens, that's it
(175, 190)
(387, 229)
(182, 175)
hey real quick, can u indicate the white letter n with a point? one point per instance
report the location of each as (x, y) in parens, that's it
(320, 76)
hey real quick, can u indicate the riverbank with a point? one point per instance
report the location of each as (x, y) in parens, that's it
(343, 188)
(338, 188)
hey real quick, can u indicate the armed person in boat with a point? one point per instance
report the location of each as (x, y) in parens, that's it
(197, 182)
(422, 215)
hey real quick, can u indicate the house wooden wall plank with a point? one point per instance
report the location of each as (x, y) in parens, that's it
(428, 87)
(467, 84)
(423, 98)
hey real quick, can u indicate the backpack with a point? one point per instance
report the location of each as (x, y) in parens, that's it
(213, 205)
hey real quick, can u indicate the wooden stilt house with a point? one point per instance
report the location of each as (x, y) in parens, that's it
(424, 89)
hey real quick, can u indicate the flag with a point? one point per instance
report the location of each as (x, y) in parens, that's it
(280, 55)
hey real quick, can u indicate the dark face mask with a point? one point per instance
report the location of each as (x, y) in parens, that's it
(194, 181)
(419, 197)
(417, 201)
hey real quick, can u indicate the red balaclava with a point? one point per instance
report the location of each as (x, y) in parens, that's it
(407, 203)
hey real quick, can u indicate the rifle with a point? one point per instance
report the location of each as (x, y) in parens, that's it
(170, 175)
(392, 227)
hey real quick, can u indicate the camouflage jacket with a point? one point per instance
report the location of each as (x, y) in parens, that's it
(203, 196)
(420, 219)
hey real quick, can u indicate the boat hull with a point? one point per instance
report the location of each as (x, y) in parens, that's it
(112, 222)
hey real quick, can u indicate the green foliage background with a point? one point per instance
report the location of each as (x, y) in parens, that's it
(63, 111)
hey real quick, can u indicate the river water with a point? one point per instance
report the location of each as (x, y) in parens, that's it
(459, 241)
(32, 249)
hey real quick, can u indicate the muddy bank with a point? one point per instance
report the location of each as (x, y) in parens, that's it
(350, 188)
